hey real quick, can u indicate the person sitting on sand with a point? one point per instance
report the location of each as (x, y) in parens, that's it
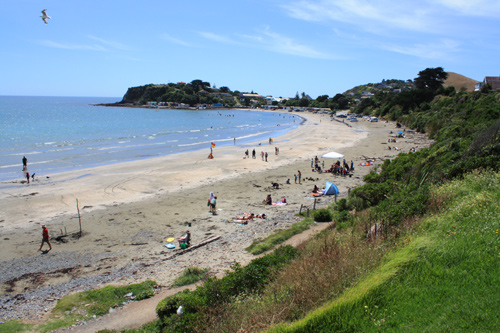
(315, 189)
(275, 185)
(268, 200)
(186, 239)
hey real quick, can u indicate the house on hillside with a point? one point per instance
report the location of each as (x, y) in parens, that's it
(494, 81)
(367, 94)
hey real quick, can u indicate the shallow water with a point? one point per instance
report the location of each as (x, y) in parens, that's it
(59, 134)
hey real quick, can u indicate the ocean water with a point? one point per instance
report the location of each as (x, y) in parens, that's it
(59, 134)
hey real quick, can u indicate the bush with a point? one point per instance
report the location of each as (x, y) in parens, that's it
(322, 215)
(191, 275)
(251, 278)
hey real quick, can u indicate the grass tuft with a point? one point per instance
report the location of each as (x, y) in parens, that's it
(191, 275)
(263, 245)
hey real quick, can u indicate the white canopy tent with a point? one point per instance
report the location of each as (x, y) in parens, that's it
(333, 155)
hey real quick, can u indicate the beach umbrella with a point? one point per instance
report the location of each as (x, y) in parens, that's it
(333, 155)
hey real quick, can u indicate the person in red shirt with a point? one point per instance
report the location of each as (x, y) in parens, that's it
(45, 238)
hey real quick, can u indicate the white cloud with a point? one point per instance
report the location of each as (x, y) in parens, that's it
(175, 40)
(366, 14)
(69, 46)
(102, 45)
(486, 8)
(282, 44)
(444, 49)
(112, 44)
(268, 40)
(216, 38)
(385, 15)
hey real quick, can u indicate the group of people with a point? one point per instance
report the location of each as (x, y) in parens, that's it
(269, 201)
(26, 172)
(341, 168)
(212, 202)
(263, 154)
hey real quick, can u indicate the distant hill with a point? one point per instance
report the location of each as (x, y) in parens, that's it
(459, 82)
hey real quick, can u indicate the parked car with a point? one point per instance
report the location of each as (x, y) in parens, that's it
(373, 119)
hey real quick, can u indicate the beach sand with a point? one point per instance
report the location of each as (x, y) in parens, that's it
(128, 210)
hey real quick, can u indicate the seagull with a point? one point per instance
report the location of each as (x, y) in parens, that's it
(44, 16)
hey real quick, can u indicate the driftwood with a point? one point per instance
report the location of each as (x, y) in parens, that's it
(192, 247)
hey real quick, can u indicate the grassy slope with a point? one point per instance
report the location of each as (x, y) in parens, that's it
(445, 277)
(459, 82)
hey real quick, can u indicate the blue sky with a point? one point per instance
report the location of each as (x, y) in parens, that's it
(272, 47)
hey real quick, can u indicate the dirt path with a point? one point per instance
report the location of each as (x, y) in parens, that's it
(136, 314)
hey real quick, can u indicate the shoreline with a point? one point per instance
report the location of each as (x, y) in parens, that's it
(128, 211)
(53, 160)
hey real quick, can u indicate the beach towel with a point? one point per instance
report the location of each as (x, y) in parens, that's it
(279, 203)
(170, 240)
(170, 246)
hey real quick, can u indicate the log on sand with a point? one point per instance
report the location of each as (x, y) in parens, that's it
(192, 247)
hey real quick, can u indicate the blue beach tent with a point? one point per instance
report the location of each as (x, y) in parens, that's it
(331, 189)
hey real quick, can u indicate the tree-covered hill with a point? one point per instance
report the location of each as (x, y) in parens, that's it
(193, 93)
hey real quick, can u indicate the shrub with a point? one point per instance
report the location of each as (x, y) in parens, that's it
(191, 275)
(322, 215)
(251, 278)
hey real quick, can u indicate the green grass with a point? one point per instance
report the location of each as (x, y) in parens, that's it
(446, 277)
(191, 275)
(262, 245)
(84, 305)
(13, 326)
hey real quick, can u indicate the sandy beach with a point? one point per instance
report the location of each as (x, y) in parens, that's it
(128, 210)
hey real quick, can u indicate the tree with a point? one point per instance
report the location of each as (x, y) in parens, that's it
(322, 98)
(431, 79)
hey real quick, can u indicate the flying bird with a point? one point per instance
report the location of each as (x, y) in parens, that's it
(44, 16)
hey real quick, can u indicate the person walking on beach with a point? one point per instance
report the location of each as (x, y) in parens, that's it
(25, 163)
(213, 203)
(299, 175)
(45, 238)
(295, 178)
(253, 154)
(262, 155)
(28, 176)
(266, 156)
